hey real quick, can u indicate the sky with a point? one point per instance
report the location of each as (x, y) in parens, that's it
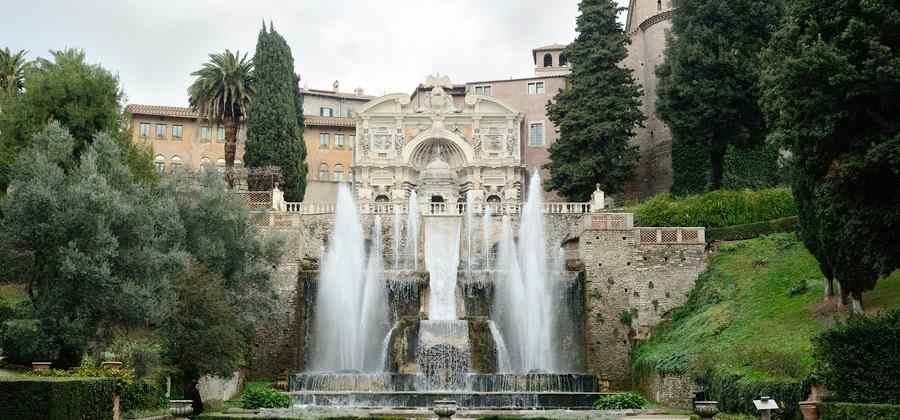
(382, 46)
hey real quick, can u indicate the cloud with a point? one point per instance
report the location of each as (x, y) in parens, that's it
(382, 45)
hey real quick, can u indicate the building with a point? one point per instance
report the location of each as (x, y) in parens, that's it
(446, 143)
(530, 96)
(181, 139)
(648, 25)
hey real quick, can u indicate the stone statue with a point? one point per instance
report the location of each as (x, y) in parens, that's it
(440, 101)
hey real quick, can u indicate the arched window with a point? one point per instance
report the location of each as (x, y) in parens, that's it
(220, 165)
(382, 199)
(563, 61)
(176, 164)
(493, 199)
(160, 163)
(338, 172)
(323, 171)
(205, 164)
(548, 60)
(437, 199)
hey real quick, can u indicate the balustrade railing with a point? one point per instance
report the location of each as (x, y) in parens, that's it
(671, 235)
(456, 209)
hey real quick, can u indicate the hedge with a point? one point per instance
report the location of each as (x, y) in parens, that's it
(243, 416)
(735, 393)
(717, 209)
(57, 398)
(854, 411)
(859, 361)
(135, 394)
(752, 230)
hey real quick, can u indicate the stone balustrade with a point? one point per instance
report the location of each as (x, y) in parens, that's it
(671, 235)
(454, 209)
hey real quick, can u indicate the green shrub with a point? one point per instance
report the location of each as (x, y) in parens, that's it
(859, 361)
(626, 401)
(752, 230)
(135, 394)
(38, 398)
(854, 411)
(735, 393)
(717, 208)
(264, 397)
(143, 354)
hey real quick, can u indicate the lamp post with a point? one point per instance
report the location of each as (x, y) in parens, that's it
(765, 406)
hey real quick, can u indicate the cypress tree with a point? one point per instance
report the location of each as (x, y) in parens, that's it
(830, 83)
(275, 124)
(708, 85)
(597, 112)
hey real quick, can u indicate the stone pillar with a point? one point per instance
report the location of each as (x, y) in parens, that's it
(598, 200)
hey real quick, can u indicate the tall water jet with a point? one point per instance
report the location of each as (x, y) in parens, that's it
(347, 302)
(442, 262)
(469, 229)
(396, 238)
(486, 220)
(412, 231)
(374, 308)
(526, 312)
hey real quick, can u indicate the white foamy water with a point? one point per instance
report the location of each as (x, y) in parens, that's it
(442, 261)
(412, 231)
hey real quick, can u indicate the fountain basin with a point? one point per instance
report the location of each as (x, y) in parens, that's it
(468, 400)
(472, 382)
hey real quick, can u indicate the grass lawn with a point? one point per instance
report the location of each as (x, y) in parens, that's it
(754, 312)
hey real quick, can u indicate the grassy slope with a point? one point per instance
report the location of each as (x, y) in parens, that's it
(742, 317)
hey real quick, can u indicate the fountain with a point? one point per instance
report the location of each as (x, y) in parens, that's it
(489, 335)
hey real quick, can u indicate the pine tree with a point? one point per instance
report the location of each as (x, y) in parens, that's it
(274, 127)
(830, 83)
(598, 111)
(708, 85)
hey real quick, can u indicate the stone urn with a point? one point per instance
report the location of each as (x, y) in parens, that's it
(445, 409)
(706, 409)
(180, 408)
(810, 410)
(40, 365)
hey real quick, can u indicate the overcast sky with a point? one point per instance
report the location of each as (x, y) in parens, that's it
(383, 46)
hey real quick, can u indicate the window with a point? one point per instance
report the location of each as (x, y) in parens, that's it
(536, 134)
(145, 130)
(204, 134)
(483, 90)
(339, 172)
(220, 165)
(548, 60)
(160, 163)
(326, 111)
(177, 131)
(339, 140)
(205, 164)
(323, 171)
(536, 88)
(563, 61)
(324, 140)
(658, 4)
(176, 164)
(160, 131)
(221, 136)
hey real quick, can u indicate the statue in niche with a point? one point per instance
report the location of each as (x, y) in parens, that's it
(398, 142)
(510, 144)
(476, 144)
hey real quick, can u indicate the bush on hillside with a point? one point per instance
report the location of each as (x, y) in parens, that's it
(626, 401)
(859, 361)
(717, 208)
(735, 393)
(752, 230)
(854, 411)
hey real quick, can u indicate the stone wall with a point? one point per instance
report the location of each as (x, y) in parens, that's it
(672, 390)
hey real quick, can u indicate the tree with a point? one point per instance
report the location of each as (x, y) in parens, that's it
(12, 71)
(830, 83)
(275, 126)
(222, 93)
(84, 98)
(94, 248)
(598, 111)
(708, 85)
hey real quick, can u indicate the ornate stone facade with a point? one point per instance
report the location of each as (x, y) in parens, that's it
(440, 144)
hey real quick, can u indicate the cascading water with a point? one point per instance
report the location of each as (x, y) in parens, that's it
(396, 238)
(351, 314)
(486, 220)
(442, 262)
(526, 290)
(412, 231)
(469, 229)
(503, 364)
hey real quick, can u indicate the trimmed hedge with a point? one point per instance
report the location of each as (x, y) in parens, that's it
(752, 230)
(717, 209)
(854, 411)
(57, 398)
(735, 393)
(859, 361)
(228, 416)
(135, 394)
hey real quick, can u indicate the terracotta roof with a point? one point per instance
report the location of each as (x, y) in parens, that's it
(333, 94)
(162, 111)
(317, 121)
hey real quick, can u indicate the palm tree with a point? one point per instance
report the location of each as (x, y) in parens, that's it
(12, 71)
(222, 93)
